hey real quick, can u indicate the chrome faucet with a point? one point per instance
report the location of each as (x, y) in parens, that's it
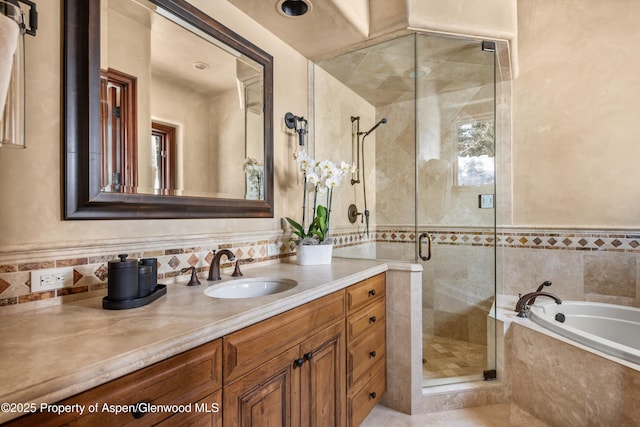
(214, 268)
(523, 303)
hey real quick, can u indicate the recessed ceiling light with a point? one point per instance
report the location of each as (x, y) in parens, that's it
(293, 8)
(200, 65)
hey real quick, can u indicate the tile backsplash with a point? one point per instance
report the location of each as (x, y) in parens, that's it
(90, 270)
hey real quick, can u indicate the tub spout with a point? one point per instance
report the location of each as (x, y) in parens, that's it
(523, 303)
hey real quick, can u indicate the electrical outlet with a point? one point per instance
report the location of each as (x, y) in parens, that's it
(51, 278)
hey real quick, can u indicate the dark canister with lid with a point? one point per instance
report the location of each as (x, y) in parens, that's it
(123, 279)
(144, 280)
(153, 263)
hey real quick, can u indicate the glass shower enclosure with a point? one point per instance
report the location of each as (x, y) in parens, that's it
(430, 180)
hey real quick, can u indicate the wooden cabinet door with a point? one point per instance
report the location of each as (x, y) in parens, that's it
(323, 383)
(267, 396)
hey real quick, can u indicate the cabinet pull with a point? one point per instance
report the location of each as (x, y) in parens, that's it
(372, 319)
(298, 362)
(372, 354)
(373, 395)
(308, 356)
(138, 411)
(372, 293)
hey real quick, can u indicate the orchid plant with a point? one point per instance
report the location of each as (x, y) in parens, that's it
(320, 178)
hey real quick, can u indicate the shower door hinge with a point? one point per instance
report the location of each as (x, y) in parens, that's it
(490, 375)
(488, 46)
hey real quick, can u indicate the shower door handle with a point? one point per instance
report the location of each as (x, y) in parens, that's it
(428, 256)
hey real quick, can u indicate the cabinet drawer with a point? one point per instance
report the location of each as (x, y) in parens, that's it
(183, 379)
(364, 320)
(362, 357)
(361, 404)
(250, 347)
(205, 413)
(365, 292)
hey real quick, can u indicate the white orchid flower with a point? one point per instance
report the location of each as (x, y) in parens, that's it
(305, 163)
(313, 178)
(347, 168)
(332, 181)
(326, 168)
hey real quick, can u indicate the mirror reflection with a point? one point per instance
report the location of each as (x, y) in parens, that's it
(181, 113)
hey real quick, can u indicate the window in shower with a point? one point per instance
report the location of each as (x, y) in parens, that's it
(476, 153)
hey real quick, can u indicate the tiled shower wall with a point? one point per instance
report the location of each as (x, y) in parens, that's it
(458, 281)
(586, 265)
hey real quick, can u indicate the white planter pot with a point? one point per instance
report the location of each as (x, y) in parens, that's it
(314, 254)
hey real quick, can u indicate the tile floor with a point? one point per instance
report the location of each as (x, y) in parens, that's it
(447, 357)
(499, 415)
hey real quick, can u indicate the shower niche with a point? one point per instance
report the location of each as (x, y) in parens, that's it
(426, 169)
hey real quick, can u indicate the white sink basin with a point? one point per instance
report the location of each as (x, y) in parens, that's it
(250, 287)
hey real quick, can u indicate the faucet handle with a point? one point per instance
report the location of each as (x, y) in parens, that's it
(194, 281)
(236, 271)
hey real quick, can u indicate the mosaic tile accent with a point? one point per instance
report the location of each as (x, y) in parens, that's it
(90, 273)
(564, 240)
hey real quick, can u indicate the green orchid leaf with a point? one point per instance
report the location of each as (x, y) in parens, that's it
(297, 228)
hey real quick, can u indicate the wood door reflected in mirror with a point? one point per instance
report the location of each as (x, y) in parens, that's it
(184, 128)
(163, 159)
(191, 81)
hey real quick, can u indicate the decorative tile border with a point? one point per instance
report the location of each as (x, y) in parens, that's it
(90, 273)
(614, 241)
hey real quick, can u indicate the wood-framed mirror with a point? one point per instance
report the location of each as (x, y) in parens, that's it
(128, 154)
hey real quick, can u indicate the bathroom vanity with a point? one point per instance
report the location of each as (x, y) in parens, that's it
(312, 355)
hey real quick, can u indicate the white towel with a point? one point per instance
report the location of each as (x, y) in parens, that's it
(8, 41)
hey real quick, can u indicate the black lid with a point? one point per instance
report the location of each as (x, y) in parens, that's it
(123, 262)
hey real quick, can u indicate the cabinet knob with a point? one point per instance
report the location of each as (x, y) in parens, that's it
(298, 362)
(372, 292)
(139, 410)
(373, 395)
(372, 319)
(308, 356)
(372, 354)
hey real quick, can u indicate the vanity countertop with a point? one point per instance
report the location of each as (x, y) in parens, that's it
(53, 353)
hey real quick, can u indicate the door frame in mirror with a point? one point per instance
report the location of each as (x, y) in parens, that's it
(81, 160)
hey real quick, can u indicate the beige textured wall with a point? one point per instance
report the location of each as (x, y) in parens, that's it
(576, 106)
(494, 18)
(30, 180)
(187, 110)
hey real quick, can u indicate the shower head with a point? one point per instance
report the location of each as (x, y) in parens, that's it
(381, 122)
(545, 283)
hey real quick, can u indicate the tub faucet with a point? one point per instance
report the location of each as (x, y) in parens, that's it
(523, 303)
(214, 268)
(540, 288)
